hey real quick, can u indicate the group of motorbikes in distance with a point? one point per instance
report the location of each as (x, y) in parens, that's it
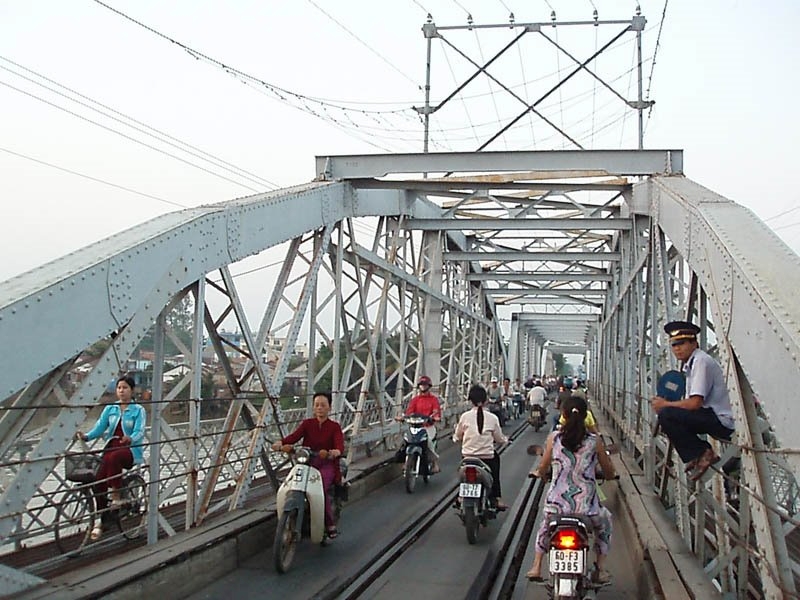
(300, 504)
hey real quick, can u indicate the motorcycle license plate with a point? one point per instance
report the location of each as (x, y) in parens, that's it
(470, 490)
(566, 561)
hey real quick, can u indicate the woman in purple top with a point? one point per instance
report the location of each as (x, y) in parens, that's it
(574, 453)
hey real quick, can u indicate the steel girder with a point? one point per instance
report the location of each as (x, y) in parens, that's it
(578, 162)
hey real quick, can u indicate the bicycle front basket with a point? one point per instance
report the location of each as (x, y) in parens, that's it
(81, 468)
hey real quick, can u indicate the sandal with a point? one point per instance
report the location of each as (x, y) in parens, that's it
(532, 577)
(332, 532)
(97, 532)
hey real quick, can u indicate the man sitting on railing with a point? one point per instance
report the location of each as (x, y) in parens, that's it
(706, 407)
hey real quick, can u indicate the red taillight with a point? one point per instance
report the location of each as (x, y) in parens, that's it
(566, 539)
(471, 474)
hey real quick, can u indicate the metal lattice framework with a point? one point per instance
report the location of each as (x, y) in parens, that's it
(488, 271)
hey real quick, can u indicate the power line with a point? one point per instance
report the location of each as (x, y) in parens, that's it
(363, 43)
(653, 64)
(780, 214)
(126, 136)
(198, 154)
(277, 91)
(308, 104)
(71, 172)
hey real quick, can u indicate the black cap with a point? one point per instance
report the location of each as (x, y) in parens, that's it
(681, 330)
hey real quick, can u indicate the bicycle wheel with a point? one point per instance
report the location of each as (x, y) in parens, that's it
(74, 521)
(132, 514)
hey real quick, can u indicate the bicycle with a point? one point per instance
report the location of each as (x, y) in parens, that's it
(77, 513)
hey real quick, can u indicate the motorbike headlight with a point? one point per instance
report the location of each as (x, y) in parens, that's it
(302, 455)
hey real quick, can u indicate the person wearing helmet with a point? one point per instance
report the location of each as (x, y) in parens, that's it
(497, 402)
(427, 404)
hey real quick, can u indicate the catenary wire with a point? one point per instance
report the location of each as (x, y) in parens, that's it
(71, 172)
(363, 43)
(199, 154)
(131, 138)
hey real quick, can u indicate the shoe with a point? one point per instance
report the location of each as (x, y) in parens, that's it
(706, 459)
(533, 576)
(601, 577)
(501, 506)
(97, 532)
(332, 532)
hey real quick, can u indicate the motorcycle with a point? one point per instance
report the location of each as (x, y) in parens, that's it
(518, 405)
(569, 538)
(537, 417)
(497, 407)
(568, 555)
(417, 458)
(301, 506)
(474, 506)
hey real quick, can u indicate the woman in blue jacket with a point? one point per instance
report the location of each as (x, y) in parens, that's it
(124, 421)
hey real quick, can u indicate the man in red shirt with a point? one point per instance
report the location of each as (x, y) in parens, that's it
(427, 404)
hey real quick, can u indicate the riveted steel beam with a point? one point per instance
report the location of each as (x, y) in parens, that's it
(611, 162)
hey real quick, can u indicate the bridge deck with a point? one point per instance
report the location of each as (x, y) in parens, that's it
(235, 550)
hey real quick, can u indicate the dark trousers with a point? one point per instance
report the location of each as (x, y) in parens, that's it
(494, 464)
(683, 426)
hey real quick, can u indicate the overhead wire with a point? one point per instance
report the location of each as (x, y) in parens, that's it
(653, 63)
(276, 90)
(196, 152)
(98, 180)
(363, 43)
(305, 103)
(489, 82)
(780, 214)
(422, 7)
(463, 103)
(126, 136)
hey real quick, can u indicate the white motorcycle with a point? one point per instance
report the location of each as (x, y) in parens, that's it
(301, 507)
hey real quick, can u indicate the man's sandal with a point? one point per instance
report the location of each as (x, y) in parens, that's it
(97, 532)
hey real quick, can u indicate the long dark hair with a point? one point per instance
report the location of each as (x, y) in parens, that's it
(573, 431)
(477, 395)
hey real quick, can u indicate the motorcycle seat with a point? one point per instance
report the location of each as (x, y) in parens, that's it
(566, 519)
(475, 462)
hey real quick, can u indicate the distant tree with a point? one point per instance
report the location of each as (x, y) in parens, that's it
(559, 361)
(180, 320)
(323, 356)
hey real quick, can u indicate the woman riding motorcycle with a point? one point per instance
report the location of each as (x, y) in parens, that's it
(574, 452)
(478, 430)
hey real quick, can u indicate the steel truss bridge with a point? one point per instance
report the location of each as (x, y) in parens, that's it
(461, 266)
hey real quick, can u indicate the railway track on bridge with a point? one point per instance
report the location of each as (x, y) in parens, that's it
(496, 576)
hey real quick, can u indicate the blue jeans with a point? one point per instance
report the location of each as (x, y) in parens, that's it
(683, 426)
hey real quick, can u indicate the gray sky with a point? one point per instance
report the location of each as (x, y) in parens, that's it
(724, 83)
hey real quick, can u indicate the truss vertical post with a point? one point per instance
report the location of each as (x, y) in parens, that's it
(432, 326)
(195, 402)
(157, 399)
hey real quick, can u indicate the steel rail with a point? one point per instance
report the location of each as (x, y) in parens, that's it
(358, 582)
